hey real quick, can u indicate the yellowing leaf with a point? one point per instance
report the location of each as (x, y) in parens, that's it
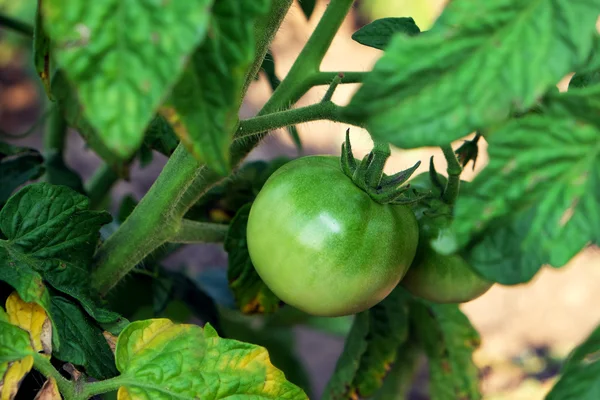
(13, 376)
(160, 359)
(111, 340)
(33, 319)
(49, 391)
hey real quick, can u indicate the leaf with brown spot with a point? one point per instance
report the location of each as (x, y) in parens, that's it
(49, 391)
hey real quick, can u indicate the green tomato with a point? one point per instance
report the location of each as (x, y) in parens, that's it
(323, 245)
(433, 276)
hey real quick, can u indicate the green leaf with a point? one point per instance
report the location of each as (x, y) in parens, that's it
(123, 57)
(580, 373)
(308, 6)
(480, 62)
(82, 342)
(449, 340)
(15, 343)
(371, 349)
(279, 342)
(544, 177)
(399, 380)
(380, 32)
(17, 166)
(159, 359)
(160, 136)
(349, 362)
(251, 293)
(208, 96)
(51, 232)
(68, 103)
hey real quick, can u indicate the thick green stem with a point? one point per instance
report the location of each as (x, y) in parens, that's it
(100, 184)
(199, 232)
(315, 112)
(454, 170)
(43, 365)
(183, 180)
(150, 225)
(16, 26)
(381, 152)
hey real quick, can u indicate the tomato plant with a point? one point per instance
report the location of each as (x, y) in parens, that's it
(89, 306)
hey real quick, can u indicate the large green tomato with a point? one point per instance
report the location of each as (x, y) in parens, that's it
(323, 245)
(433, 276)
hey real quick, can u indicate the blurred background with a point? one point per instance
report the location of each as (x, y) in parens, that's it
(526, 330)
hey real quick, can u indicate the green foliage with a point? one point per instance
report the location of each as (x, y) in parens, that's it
(134, 78)
(207, 97)
(121, 59)
(160, 359)
(380, 32)
(371, 348)
(17, 166)
(580, 373)
(550, 201)
(437, 87)
(449, 340)
(82, 342)
(251, 293)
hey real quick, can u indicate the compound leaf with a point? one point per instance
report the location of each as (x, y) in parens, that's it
(123, 57)
(482, 61)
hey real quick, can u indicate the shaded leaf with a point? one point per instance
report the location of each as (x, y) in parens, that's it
(540, 203)
(17, 166)
(380, 32)
(480, 62)
(580, 373)
(123, 58)
(251, 293)
(157, 358)
(449, 340)
(371, 348)
(82, 341)
(308, 6)
(207, 98)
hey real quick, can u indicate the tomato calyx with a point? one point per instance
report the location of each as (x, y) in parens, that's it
(368, 174)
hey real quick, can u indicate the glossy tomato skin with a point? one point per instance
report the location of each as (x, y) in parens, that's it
(433, 276)
(323, 245)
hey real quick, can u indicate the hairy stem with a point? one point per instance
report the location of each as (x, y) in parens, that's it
(326, 77)
(90, 389)
(150, 225)
(183, 181)
(56, 133)
(199, 232)
(257, 125)
(16, 26)
(454, 170)
(331, 89)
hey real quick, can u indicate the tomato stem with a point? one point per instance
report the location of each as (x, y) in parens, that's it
(199, 232)
(334, 84)
(381, 152)
(16, 26)
(454, 170)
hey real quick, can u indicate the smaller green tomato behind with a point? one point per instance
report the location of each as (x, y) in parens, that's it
(322, 245)
(433, 276)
